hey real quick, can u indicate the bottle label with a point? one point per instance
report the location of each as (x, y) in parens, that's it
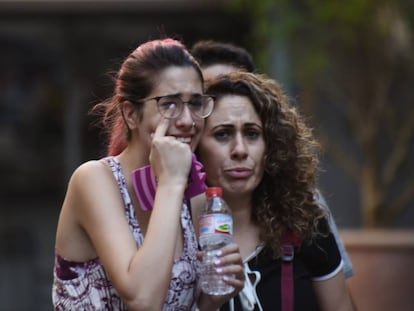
(216, 223)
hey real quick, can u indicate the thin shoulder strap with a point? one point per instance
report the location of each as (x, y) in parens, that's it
(188, 202)
(289, 241)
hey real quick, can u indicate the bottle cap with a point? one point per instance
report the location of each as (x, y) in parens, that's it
(211, 191)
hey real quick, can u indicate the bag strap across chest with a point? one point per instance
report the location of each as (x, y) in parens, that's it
(290, 240)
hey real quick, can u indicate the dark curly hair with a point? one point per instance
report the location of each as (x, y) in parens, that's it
(285, 199)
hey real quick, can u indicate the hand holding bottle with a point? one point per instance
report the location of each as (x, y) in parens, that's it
(216, 229)
(229, 267)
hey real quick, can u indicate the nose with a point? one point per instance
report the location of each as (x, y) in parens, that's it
(185, 119)
(239, 150)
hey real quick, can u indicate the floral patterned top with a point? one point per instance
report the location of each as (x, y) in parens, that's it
(85, 285)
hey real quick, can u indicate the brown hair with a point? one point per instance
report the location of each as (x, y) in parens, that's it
(135, 80)
(285, 197)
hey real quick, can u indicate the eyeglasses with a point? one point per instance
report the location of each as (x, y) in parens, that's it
(171, 106)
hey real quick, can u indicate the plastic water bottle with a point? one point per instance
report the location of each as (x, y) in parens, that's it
(216, 229)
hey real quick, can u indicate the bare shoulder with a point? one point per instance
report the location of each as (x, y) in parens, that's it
(90, 170)
(90, 176)
(93, 186)
(90, 187)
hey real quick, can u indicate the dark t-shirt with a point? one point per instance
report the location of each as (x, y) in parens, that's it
(312, 261)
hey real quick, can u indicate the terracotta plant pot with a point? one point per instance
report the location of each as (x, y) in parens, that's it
(384, 269)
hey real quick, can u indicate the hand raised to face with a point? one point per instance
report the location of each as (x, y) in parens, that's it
(169, 157)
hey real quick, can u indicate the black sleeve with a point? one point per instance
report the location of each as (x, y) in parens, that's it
(321, 256)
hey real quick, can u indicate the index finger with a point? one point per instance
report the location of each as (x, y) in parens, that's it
(162, 128)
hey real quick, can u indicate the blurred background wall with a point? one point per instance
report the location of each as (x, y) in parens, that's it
(54, 60)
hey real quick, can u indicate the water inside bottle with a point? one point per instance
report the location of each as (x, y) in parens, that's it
(211, 282)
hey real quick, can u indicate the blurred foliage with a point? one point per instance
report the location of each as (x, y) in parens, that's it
(318, 24)
(356, 56)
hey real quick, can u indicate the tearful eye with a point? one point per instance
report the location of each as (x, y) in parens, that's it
(167, 104)
(170, 106)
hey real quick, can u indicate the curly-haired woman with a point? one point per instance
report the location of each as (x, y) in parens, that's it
(257, 147)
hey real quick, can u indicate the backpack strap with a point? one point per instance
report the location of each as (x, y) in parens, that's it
(290, 240)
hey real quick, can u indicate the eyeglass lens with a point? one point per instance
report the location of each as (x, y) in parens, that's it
(172, 106)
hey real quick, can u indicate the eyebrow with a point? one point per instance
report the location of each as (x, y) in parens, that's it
(172, 95)
(252, 124)
(180, 95)
(231, 125)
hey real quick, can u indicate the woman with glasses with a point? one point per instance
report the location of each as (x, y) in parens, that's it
(111, 253)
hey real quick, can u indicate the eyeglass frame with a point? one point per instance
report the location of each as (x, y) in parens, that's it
(178, 95)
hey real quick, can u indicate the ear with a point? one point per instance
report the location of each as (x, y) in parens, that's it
(130, 114)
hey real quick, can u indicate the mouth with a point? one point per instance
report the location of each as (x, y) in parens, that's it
(239, 173)
(185, 140)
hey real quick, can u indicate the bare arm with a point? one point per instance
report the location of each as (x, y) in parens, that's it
(141, 276)
(333, 294)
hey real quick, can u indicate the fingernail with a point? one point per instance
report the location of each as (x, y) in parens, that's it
(217, 261)
(219, 270)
